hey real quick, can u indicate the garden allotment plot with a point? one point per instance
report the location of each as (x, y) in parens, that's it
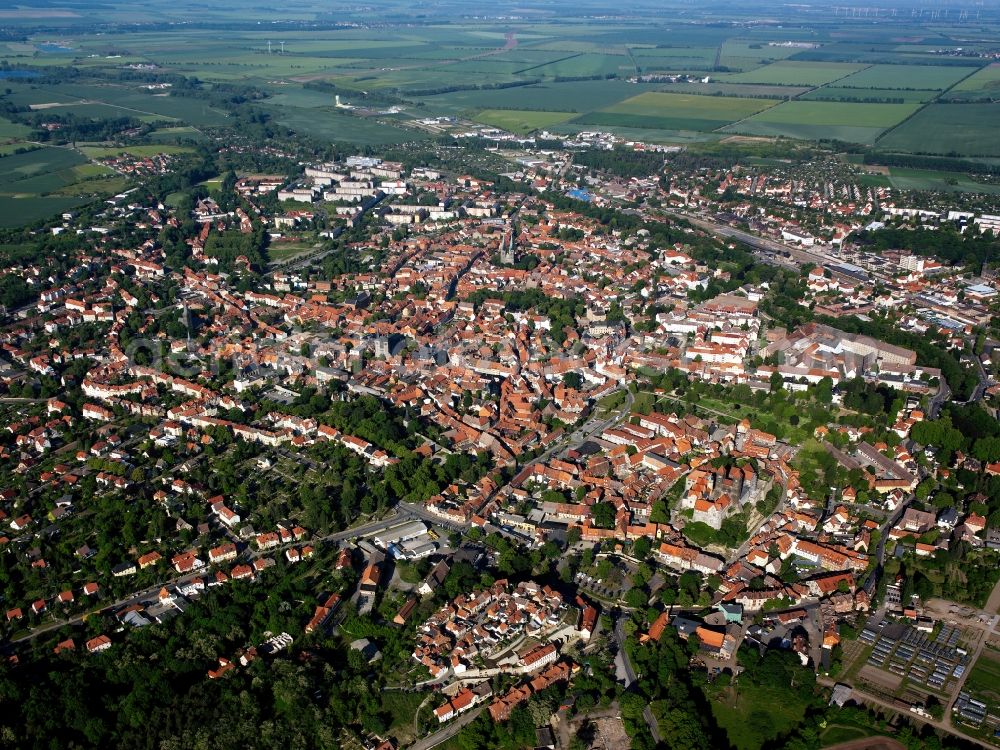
(661, 111)
(844, 121)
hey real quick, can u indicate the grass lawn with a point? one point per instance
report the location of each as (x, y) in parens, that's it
(834, 734)
(521, 120)
(283, 250)
(402, 706)
(751, 715)
(984, 679)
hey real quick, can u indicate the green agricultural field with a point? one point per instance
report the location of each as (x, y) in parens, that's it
(86, 171)
(718, 88)
(586, 64)
(100, 152)
(838, 93)
(933, 77)
(945, 182)
(521, 121)
(948, 129)
(740, 54)
(674, 58)
(854, 123)
(794, 73)
(47, 181)
(329, 124)
(92, 100)
(570, 96)
(985, 84)
(706, 53)
(19, 211)
(12, 130)
(676, 112)
(43, 170)
(174, 134)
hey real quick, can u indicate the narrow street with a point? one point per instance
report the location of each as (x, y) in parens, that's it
(647, 712)
(448, 731)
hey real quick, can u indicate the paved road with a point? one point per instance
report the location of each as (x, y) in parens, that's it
(593, 426)
(647, 713)
(448, 731)
(860, 695)
(984, 382)
(891, 521)
(939, 398)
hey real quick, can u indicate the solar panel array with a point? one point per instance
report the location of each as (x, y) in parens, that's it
(917, 658)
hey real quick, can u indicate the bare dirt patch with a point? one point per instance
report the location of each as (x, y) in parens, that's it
(746, 139)
(881, 679)
(51, 105)
(610, 735)
(869, 743)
